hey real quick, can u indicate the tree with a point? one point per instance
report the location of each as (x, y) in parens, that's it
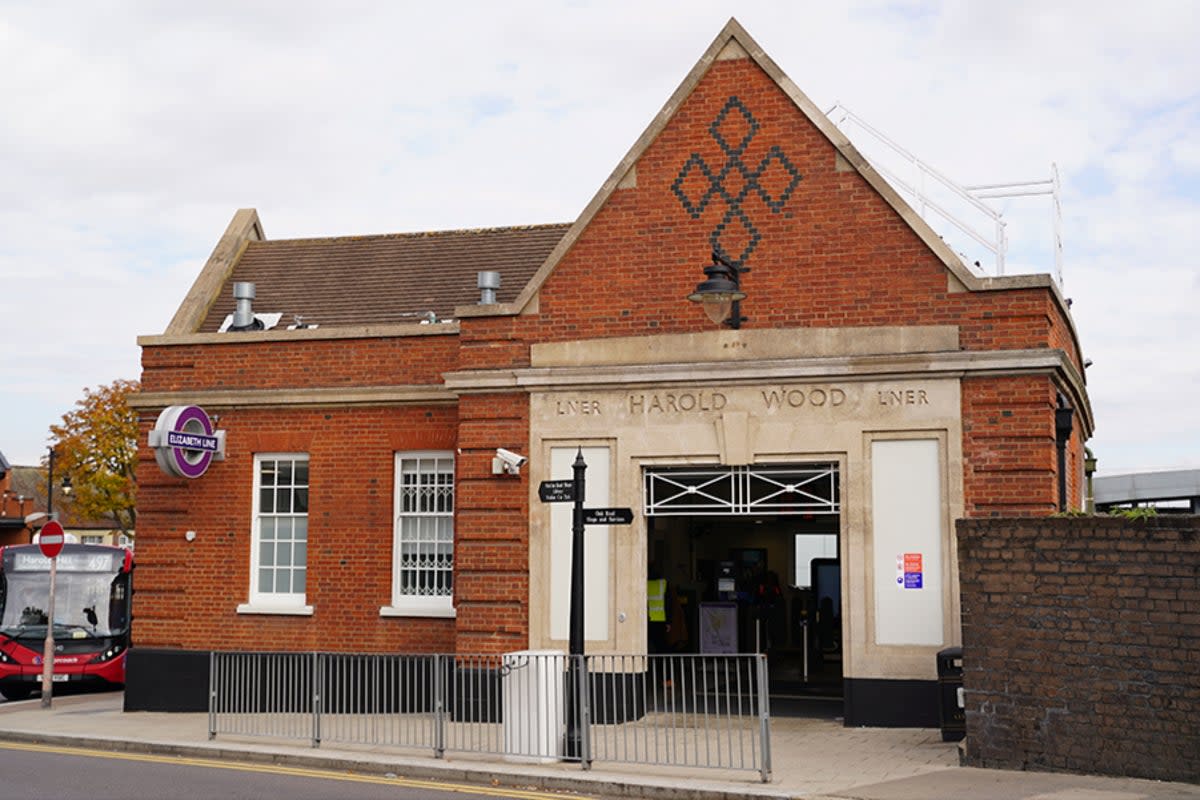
(96, 446)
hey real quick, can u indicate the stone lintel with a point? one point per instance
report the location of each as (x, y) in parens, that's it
(744, 345)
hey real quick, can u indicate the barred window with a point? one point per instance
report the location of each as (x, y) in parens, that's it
(279, 558)
(424, 534)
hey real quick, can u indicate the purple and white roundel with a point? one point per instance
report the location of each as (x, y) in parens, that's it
(185, 442)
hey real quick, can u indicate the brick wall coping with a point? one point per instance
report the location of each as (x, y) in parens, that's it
(1028, 527)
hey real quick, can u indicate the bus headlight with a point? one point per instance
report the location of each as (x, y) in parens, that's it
(108, 654)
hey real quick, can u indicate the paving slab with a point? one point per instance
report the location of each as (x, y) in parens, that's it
(812, 759)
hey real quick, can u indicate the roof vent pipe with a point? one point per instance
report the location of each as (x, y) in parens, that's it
(243, 314)
(488, 283)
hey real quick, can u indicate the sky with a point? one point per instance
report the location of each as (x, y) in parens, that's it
(130, 133)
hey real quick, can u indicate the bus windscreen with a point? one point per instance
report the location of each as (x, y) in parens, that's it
(91, 616)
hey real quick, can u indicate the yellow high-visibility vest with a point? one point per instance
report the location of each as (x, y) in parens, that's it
(656, 600)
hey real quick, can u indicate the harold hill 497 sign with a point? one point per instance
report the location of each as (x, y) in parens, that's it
(185, 441)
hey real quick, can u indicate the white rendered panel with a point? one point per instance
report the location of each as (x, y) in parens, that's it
(596, 569)
(906, 500)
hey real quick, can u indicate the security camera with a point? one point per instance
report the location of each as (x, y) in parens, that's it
(507, 462)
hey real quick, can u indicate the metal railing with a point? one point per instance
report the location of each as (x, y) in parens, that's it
(707, 711)
(947, 202)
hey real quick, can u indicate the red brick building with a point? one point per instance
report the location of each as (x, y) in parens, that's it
(13, 507)
(877, 390)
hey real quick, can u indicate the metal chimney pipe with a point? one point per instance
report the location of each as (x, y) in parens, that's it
(488, 283)
(243, 315)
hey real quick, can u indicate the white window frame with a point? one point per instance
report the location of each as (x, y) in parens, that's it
(274, 602)
(415, 605)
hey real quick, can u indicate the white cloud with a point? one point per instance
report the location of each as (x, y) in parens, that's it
(133, 131)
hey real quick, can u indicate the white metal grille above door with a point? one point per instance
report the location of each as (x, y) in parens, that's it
(720, 491)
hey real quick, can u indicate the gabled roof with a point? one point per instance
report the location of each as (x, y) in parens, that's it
(372, 281)
(734, 42)
(380, 280)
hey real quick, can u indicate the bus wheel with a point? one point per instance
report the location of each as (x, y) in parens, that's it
(18, 692)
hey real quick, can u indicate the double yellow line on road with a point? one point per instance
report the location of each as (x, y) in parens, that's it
(300, 772)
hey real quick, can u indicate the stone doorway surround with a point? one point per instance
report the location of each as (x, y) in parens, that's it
(738, 398)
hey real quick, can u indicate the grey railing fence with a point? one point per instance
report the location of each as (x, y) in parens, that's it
(678, 710)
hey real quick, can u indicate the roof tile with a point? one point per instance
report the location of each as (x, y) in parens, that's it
(385, 279)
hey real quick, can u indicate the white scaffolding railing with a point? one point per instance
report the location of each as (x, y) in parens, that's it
(923, 181)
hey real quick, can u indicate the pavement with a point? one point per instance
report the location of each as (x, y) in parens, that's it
(813, 759)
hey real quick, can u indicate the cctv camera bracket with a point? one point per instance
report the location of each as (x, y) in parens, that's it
(507, 463)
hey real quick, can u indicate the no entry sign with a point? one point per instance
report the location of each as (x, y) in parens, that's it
(51, 539)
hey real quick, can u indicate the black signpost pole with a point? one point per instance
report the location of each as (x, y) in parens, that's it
(572, 492)
(575, 641)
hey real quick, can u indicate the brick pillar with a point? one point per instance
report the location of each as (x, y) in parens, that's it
(491, 551)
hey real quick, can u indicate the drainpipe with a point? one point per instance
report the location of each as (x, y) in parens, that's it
(1062, 435)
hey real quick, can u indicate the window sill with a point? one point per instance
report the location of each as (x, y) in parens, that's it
(293, 611)
(447, 612)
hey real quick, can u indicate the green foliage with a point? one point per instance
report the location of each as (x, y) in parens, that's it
(96, 445)
(1124, 513)
(1134, 513)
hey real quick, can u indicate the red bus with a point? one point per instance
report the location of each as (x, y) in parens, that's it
(92, 596)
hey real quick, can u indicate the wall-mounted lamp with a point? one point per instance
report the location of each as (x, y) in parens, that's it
(721, 293)
(190, 536)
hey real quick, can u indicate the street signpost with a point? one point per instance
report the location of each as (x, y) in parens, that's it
(608, 516)
(557, 491)
(571, 491)
(50, 539)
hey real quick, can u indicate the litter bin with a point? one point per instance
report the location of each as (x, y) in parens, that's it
(950, 694)
(531, 684)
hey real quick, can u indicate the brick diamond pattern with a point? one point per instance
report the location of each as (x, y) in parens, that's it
(733, 129)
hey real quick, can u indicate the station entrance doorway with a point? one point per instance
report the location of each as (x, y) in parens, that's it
(750, 557)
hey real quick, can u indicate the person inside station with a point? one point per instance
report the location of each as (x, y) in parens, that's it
(666, 618)
(657, 622)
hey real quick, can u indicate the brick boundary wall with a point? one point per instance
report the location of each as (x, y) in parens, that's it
(1081, 644)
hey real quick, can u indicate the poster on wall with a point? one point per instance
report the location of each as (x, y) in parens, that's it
(910, 571)
(718, 628)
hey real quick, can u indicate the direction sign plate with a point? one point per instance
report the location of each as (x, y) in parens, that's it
(557, 491)
(607, 516)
